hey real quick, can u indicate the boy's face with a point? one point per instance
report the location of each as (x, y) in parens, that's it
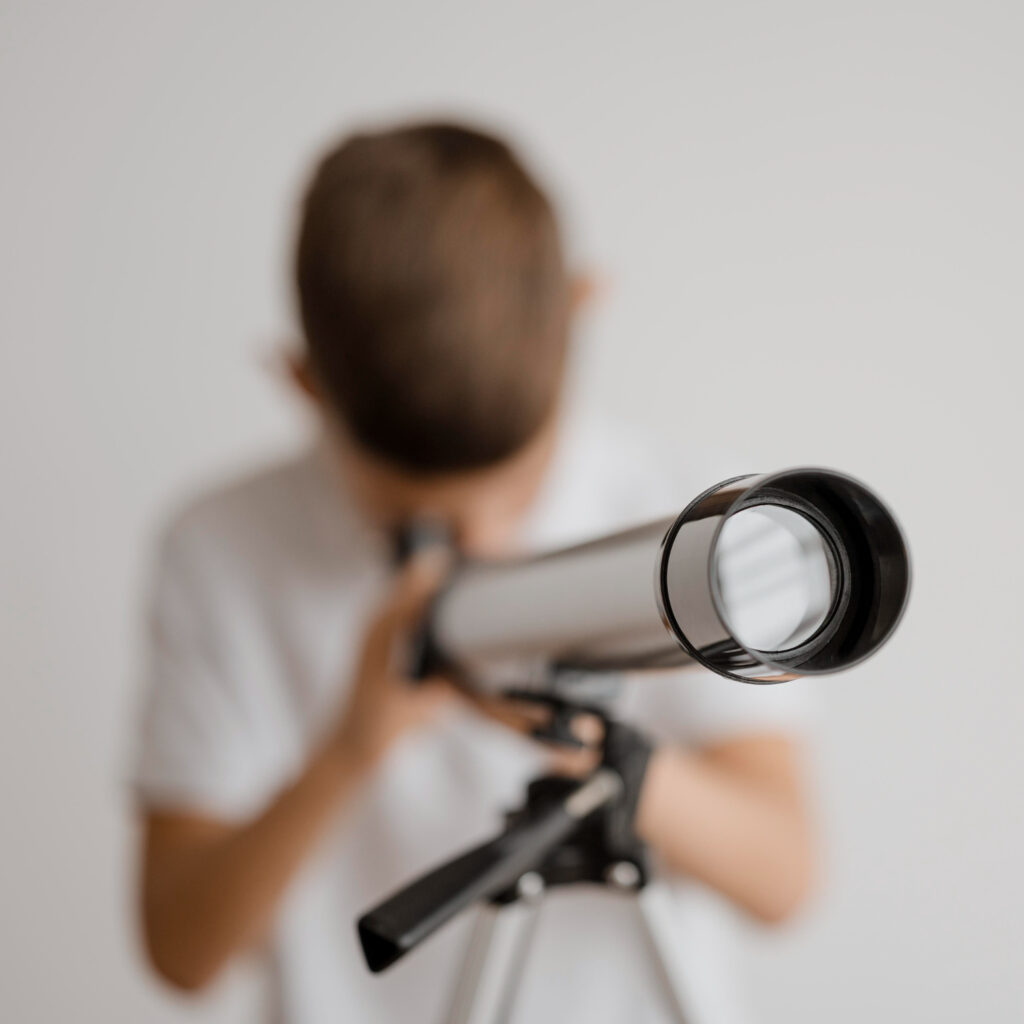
(482, 507)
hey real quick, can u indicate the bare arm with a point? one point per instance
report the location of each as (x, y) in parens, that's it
(733, 816)
(209, 888)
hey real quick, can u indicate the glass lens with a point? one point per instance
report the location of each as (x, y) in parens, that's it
(774, 577)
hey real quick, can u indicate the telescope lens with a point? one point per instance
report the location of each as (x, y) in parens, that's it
(764, 578)
(775, 578)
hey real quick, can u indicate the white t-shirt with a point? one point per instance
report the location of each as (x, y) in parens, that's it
(261, 593)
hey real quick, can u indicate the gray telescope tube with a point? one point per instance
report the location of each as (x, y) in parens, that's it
(682, 591)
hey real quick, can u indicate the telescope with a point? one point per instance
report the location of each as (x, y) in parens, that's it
(761, 579)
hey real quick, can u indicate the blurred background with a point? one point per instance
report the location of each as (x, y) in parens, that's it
(810, 218)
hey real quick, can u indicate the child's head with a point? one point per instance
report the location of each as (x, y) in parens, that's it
(434, 298)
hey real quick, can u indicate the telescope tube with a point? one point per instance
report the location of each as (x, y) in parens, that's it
(689, 590)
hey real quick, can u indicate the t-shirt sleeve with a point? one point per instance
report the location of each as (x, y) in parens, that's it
(198, 742)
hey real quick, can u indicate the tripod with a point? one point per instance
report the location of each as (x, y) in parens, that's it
(499, 942)
(567, 831)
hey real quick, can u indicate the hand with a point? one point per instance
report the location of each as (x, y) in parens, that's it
(526, 717)
(384, 703)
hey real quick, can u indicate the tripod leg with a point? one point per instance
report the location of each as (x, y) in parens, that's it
(493, 964)
(656, 917)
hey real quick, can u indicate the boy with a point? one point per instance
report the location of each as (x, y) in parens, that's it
(288, 778)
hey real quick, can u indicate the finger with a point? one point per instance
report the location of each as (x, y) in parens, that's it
(436, 690)
(516, 715)
(417, 582)
(388, 640)
(573, 763)
(588, 729)
(430, 697)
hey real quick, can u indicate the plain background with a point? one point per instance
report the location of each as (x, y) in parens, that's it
(810, 217)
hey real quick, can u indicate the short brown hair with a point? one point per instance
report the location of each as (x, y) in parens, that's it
(433, 295)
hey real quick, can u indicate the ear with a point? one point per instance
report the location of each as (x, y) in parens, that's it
(300, 374)
(584, 287)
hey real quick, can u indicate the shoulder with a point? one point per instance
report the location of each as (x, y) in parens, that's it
(638, 473)
(236, 507)
(270, 517)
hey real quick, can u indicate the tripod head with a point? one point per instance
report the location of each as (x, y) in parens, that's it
(566, 831)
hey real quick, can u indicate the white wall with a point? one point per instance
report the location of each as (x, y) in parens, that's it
(811, 215)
